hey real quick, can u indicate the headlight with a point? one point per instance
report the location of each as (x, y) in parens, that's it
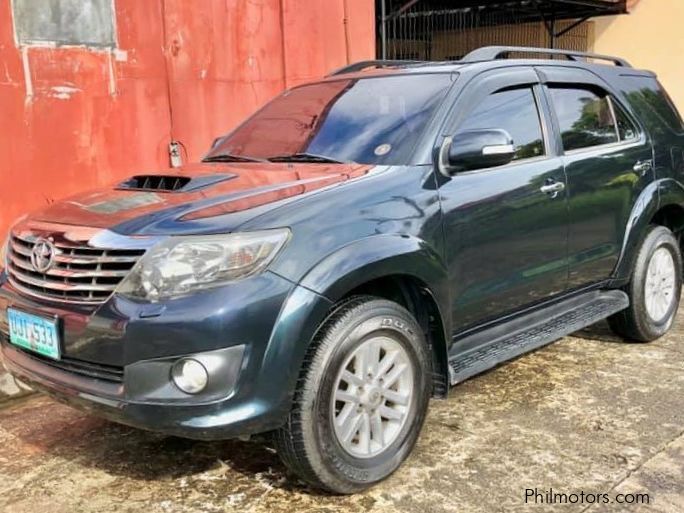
(182, 265)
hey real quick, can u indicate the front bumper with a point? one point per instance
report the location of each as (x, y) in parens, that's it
(203, 421)
(257, 330)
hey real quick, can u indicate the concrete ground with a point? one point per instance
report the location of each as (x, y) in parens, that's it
(587, 414)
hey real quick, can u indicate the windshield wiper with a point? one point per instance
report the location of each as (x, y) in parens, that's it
(304, 157)
(228, 157)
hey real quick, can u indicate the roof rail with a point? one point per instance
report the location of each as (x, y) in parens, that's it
(358, 66)
(489, 53)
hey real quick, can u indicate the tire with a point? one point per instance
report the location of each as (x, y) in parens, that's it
(644, 321)
(310, 445)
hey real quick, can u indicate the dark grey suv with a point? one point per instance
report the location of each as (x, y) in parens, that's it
(354, 248)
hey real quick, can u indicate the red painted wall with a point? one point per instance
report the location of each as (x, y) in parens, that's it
(76, 118)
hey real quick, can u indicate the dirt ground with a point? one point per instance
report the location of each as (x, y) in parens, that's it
(587, 414)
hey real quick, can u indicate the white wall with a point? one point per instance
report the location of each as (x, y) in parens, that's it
(650, 37)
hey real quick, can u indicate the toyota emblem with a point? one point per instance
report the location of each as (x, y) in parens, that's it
(42, 255)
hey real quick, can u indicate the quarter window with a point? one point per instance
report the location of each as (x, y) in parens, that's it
(513, 110)
(585, 117)
(626, 128)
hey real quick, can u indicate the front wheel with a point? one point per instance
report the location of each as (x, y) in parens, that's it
(654, 289)
(361, 399)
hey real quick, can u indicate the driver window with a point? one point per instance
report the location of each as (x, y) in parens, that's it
(513, 110)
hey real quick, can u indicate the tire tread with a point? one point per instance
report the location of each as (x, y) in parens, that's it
(630, 323)
(292, 441)
(289, 439)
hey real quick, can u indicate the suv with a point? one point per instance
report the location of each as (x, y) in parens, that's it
(354, 248)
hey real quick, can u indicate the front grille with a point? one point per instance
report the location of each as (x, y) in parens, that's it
(87, 369)
(79, 274)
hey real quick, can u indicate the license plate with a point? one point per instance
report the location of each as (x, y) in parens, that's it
(34, 333)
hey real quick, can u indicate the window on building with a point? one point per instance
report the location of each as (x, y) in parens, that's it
(64, 22)
(584, 116)
(515, 111)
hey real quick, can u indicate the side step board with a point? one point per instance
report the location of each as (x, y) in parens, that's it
(490, 347)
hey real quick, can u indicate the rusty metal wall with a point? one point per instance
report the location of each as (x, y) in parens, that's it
(76, 117)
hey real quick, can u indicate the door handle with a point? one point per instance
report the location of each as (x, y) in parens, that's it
(643, 166)
(552, 188)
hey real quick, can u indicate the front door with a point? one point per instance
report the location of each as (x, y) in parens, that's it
(505, 230)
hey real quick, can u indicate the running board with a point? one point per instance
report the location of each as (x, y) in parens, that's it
(490, 347)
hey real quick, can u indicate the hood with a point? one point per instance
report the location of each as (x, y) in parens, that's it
(187, 199)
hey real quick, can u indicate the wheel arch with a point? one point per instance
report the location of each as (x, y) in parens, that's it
(416, 297)
(671, 216)
(400, 268)
(661, 203)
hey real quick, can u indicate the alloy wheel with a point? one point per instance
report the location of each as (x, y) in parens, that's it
(660, 284)
(372, 397)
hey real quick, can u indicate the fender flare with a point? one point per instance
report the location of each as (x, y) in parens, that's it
(375, 257)
(655, 196)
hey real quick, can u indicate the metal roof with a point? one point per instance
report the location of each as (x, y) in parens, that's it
(418, 20)
(515, 11)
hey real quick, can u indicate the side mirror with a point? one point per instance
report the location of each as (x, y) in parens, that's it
(476, 149)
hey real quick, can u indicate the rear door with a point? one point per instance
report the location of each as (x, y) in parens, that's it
(608, 161)
(506, 238)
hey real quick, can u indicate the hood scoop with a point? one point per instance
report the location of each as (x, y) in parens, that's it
(172, 183)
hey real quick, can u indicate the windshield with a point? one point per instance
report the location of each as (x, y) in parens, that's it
(368, 121)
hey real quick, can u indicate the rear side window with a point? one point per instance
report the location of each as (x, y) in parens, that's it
(669, 111)
(653, 105)
(585, 117)
(626, 129)
(515, 111)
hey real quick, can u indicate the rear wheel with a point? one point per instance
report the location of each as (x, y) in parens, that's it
(361, 399)
(654, 289)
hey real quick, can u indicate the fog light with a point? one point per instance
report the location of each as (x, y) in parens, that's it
(189, 375)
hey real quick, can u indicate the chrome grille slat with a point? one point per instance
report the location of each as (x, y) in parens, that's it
(65, 273)
(59, 284)
(22, 250)
(80, 273)
(93, 260)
